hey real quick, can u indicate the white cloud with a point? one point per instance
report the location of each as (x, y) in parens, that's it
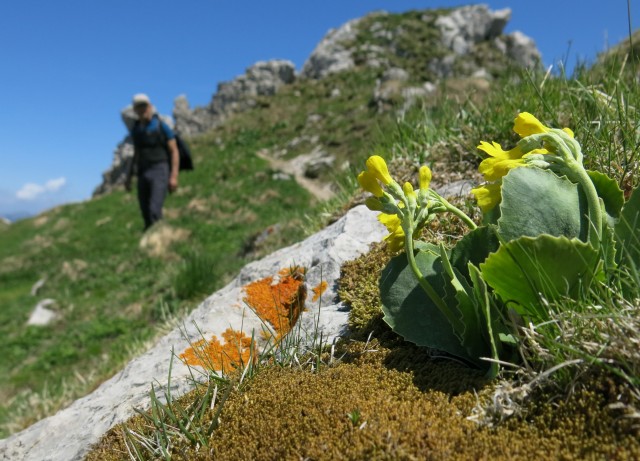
(31, 191)
(53, 185)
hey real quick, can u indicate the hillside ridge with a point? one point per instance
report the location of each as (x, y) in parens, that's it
(462, 37)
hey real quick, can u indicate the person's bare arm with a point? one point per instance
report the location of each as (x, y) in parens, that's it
(175, 164)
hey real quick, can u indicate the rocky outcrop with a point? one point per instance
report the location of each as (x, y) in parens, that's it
(332, 53)
(463, 29)
(262, 79)
(69, 434)
(465, 34)
(522, 49)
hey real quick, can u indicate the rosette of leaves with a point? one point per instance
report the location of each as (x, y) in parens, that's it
(534, 248)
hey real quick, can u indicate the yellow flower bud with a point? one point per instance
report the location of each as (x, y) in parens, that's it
(368, 182)
(378, 167)
(526, 124)
(408, 189)
(425, 177)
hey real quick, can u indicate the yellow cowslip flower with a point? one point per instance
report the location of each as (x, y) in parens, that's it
(425, 177)
(378, 167)
(368, 182)
(487, 196)
(392, 222)
(526, 124)
(494, 168)
(500, 161)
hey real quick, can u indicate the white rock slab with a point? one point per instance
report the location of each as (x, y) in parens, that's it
(69, 434)
(41, 315)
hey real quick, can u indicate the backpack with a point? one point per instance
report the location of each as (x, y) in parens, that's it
(186, 162)
(184, 153)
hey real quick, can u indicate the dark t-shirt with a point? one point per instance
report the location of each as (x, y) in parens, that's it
(150, 142)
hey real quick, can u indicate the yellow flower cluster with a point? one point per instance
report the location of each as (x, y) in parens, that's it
(499, 162)
(399, 206)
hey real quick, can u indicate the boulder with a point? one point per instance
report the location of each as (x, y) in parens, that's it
(42, 315)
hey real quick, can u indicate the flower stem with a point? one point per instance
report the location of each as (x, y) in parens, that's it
(593, 204)
(458, 212)
(455, 322)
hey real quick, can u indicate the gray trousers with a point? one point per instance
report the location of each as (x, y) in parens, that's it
(153, 184)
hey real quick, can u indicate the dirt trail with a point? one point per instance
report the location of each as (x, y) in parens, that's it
(321, 191)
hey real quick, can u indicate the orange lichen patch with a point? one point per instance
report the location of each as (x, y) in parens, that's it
(318, 290)
(280, 302)
(234, 353)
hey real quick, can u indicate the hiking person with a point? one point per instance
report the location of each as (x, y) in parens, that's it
(155, 158)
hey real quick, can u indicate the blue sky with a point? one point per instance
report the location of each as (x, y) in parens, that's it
(70, 66)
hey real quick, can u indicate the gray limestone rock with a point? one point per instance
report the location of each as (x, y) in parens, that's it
(264, 78)
(69, 434)
(332, 55)
(42, 315)
(522, 49)
(466, 26)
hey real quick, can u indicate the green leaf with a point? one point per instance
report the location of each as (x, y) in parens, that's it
(410, 312)
(626, 231)
(474, 248)
(610, 193)
(474, 336)
(536, 201)
(482, 298)
(528, 270)
(608, 247)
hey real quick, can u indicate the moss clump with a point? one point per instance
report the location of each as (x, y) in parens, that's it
(359, 289)
(365, 409)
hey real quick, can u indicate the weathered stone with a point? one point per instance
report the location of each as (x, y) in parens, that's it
(264, 78)
(36, 286)
(413, 95)
(332, 55)
(68, 434)
(395, 73)
(191, 122)
(466, 26)
(42, 315)
(522, 49)
(461, 188)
